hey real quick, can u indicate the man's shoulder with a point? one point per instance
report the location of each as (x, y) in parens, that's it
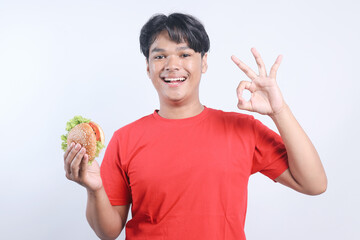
(232, 123)
(230, 116)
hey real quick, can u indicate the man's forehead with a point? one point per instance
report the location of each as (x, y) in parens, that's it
(163, 40)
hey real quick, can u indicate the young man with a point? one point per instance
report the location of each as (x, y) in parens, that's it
(185, 168)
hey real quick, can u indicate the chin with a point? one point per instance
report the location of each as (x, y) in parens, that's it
(174, 99)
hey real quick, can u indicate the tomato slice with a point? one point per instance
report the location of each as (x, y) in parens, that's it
(96, 130)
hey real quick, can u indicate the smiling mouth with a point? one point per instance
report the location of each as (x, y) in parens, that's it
(174, 80)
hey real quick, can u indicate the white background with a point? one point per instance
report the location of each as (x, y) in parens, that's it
(64, 58)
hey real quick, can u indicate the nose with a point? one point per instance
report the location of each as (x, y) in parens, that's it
(172, 63)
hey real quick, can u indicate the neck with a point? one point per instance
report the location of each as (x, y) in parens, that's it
(180, 111)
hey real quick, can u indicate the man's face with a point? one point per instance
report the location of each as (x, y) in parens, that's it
(175, 70)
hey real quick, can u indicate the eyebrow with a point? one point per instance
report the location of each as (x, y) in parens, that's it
(163, 50)
(182, 48)
(158, 50)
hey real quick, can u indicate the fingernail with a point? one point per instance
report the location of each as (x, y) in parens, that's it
(72, 144)
(83, 150)
(77, 147)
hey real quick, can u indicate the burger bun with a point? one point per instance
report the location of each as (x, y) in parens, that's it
(84, 134)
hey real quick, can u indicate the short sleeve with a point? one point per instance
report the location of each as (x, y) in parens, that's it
(270, 156)
(115, 180)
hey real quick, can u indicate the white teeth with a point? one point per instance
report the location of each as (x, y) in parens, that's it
(174, 79)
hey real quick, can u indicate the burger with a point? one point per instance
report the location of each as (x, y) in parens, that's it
(87, 133)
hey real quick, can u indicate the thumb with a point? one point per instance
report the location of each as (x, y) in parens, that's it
(244, 105)
(84, 164)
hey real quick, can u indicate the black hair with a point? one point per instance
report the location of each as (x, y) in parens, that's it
(180, 27)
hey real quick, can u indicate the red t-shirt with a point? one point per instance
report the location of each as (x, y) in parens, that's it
(187, 178)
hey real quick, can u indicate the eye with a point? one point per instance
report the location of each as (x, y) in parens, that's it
(159, 57)
(185, 55)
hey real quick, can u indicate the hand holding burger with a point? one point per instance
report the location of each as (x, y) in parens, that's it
(83, 142)
(85, 132)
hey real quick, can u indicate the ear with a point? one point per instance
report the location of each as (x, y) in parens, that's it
(204, 64)
(147, 67)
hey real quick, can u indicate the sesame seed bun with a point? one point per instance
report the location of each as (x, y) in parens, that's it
(84, 134)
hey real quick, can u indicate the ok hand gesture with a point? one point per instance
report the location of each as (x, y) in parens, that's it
(266, 97)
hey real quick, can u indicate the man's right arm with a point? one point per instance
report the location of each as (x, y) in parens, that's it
(106, 220)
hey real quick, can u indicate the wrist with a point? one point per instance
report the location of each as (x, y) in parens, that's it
(95, 192)
(283, 111)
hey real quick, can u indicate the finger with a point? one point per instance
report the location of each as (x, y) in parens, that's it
(245, 85)
(240, 89)
(75, 164)
(250, 73)
(70, 157)
(68, 175)
(68, 150)
(275, 67)
(260, 62)
(242, 103)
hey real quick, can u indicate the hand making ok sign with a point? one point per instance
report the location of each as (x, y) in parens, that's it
(266, 97)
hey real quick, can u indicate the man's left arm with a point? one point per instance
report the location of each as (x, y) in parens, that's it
(305, 173)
